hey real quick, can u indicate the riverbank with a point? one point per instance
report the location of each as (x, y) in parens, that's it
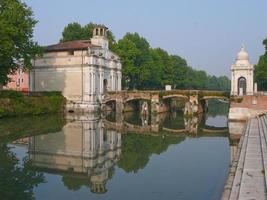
(13, 103)
(247, 178)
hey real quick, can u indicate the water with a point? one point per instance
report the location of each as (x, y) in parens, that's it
(120, 157)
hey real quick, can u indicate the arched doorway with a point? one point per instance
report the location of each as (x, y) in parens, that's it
(105, 85)
(242, 86)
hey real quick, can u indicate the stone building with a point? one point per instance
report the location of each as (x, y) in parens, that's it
(242, 75)
(82, 70)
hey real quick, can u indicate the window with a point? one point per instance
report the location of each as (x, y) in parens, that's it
(71, 53)
(242, 86)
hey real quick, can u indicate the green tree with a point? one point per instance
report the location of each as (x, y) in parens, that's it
(74, 31)
(144, 67)
(261, 69)
(16, 32)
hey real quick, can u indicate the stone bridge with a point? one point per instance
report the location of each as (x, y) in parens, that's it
(191, 126)
(154, 102)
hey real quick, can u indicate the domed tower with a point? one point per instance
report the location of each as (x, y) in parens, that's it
(242, 75)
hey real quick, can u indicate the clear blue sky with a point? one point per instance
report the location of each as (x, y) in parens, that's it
(207, 33)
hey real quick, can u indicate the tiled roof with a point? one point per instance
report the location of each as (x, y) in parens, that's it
(71, 45)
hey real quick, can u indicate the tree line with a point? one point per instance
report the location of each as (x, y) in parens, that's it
(145, 67)
(261, 70)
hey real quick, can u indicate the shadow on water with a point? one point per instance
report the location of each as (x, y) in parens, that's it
(88, 152)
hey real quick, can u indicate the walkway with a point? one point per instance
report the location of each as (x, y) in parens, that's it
(247, 178)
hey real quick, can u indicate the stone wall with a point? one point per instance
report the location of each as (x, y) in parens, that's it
(250, 106)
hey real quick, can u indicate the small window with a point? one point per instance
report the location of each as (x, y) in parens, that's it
(22, 80)
(71, 53)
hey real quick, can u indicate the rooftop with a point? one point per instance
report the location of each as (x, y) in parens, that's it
(70, 45)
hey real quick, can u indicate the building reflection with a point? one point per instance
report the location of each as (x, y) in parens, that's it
(83, 148)
(236, 129)
(85, 151)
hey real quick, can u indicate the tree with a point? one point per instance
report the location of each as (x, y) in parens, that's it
(74, 31)
(261, 69)
(16, 32)
(144, 67)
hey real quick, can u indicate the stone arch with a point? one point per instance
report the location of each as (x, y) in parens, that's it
(242, 85)
(105, 85)
(109, 105)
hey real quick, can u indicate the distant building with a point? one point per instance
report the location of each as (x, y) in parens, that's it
(18, 81)
(242, 73)
(83, 70)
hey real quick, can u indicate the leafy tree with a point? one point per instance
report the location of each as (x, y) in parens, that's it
(261, 69)
(74, 31)
(16, 32)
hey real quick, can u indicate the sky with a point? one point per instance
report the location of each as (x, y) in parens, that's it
(207, 33)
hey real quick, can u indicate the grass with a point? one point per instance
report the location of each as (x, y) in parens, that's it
(13, 103)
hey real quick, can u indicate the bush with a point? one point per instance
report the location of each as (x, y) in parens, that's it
(14, 103)
(11, 94)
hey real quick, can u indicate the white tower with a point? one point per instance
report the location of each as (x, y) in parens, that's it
(242, 75)
(100, 37)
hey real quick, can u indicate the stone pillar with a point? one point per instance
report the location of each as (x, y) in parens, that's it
(91, 86)
(155, 104)
(173, 105)
(144, 108)
(155, 123)
(101, 138)
(119, 106)
(86, 84)
(255, 87)
(119, 81)
(100, 81)
(188, 109)
(94, 84)
(112, 81)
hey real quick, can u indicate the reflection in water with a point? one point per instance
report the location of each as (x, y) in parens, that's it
(126, 152)
(82, 151)
(17, 179)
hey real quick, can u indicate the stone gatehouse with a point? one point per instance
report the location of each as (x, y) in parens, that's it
(83, 70)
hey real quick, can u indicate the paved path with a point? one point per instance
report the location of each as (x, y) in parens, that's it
(248, 173)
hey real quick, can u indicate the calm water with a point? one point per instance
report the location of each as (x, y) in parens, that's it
(120, 157)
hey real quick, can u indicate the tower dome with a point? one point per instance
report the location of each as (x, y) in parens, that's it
(242, 55)
(242, 59)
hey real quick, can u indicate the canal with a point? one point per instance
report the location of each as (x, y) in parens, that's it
(116, 157)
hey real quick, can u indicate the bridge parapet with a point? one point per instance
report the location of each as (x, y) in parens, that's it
(156, 99)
